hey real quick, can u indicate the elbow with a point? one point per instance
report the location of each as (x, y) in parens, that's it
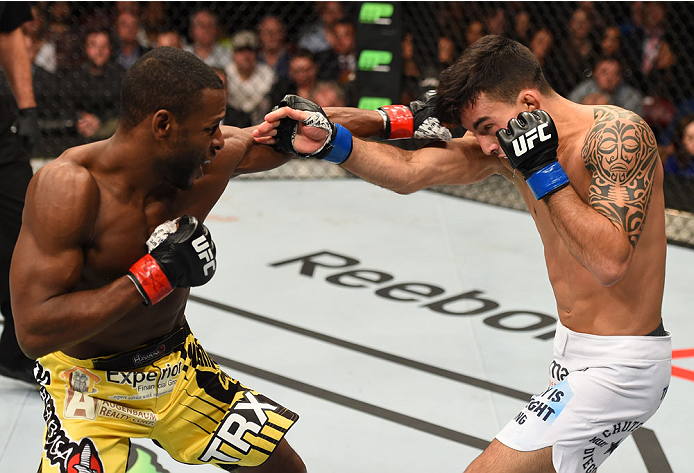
(405, 188)
(611, 273)
(31, 345)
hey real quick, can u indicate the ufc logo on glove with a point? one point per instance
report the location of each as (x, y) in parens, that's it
(202, 248)
(525, 142)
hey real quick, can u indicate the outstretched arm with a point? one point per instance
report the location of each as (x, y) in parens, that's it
(458, 161)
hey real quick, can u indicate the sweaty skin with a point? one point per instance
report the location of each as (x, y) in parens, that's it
(88, 214)
(603, 236)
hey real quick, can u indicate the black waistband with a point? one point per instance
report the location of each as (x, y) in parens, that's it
(658, 332)
(146, 354)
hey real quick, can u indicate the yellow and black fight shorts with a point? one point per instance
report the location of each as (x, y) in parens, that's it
(170, 391)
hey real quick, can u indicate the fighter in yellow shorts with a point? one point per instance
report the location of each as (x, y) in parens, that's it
(102, 306)
(169, 390)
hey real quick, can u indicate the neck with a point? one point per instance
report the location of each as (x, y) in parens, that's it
(133, 164)
(568, 118)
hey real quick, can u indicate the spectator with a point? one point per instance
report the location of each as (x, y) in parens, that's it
(644, 38)
(668, 90)
(543, 48)
(522, 28)
(129, 49)
(474, 31)
(329, 94)
(62, 31)
(303, 76)
(608, 80)
(344, 45)
(233, 116)
(578, 52)
(248, 81)
(204, 34)
(168, 37)
(611, 42)
(495, 21)
(154, 15)
(410, 70)
(43, 50)
(611, 46)
(55, 117)
(681, 161)
(95, 88)
(670, 76)
(273, 50)
(314, 38)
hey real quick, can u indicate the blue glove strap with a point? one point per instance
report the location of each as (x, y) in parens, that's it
(547, 179)
(342, 145)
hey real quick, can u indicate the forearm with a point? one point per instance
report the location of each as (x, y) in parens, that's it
(17, 67)
(67, 319)
(596, 242)
(384, 165)
(361, 123)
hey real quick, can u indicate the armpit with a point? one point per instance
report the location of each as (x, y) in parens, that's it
(621, 153)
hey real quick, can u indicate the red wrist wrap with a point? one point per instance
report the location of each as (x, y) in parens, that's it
(401, 121)
(152, 279)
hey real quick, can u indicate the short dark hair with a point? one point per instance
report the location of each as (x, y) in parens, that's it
(498, 66)
(164, 78)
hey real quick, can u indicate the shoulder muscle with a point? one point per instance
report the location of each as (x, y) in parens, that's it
(621, 153)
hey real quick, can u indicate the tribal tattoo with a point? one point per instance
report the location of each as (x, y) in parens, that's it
(621, 153)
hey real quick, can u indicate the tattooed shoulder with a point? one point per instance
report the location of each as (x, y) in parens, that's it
(621, 153)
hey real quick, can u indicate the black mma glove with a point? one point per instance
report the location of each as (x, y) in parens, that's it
(181, 254)
(27, 128)
(417, 120)
(530, 143)
(338, 145)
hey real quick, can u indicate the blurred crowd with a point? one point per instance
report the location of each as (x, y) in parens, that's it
(630, 54)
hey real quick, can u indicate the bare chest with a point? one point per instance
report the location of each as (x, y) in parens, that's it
(118, 238)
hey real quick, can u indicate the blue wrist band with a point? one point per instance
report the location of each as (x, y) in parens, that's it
(548, 179)
(341, 145)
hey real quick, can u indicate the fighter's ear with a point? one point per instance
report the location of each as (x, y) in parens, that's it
(162, 122)
(529, 99)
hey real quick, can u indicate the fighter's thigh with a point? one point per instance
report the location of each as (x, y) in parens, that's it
(104, 455)
(498, 458)
(283, 460)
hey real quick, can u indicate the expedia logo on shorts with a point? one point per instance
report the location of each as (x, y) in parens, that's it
(527, 140)
(202, 248)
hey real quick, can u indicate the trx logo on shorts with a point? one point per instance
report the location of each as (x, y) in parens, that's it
(548, 405)
(229, 440)
(79, 384)
(526, 141)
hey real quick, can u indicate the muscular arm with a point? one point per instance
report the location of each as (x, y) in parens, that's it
(47, 264)
(458, 161)
(622, 156)
(17, 68)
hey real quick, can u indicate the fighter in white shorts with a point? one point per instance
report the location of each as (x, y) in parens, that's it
(592, 180)
(601, 389)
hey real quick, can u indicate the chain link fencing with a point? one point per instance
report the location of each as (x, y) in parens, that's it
(633, 54)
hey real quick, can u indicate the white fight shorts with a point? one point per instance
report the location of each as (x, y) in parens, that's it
(601, 390)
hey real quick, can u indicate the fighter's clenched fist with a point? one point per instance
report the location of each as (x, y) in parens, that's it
(181, 254)
(530, 143)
